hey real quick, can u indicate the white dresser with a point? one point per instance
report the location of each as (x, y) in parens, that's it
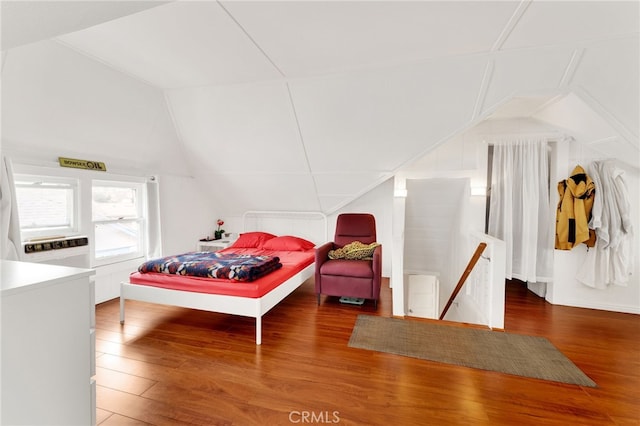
(48, 345)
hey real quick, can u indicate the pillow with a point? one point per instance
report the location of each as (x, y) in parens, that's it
(252, 239)
(288, 242)
(354, 251)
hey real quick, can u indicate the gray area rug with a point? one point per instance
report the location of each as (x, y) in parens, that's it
(527, 356)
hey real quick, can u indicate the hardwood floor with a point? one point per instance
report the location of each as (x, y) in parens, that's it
(172, 366)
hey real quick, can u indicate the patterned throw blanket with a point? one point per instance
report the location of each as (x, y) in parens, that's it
(238, 267)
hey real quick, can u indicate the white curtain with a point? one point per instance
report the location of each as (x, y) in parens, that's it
(520, 209)
(9, 224)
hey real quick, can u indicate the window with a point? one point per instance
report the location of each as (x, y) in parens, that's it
(116, 210)
(47, 206)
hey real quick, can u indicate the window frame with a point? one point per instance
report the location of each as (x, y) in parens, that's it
(140, 219)
(30, 233)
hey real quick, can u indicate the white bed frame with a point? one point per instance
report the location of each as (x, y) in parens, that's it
(236, 305)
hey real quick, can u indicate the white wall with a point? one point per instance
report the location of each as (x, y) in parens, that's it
(378, 202)
(433, 215)
(466, 155)
(186, 214)
(565, 289)
(107, 277)
(461, 157)
(56, 102)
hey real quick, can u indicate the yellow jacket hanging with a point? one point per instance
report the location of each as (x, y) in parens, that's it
(574, 211)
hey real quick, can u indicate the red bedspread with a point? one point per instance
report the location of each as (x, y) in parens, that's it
(292, 263)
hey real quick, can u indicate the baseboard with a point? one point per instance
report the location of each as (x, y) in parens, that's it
(600, 306)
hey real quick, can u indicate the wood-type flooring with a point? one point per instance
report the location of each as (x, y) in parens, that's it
(174, 366)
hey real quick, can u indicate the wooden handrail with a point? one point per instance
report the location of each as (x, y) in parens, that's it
(463, 278)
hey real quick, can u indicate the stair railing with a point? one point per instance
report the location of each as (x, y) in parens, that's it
(463, 278)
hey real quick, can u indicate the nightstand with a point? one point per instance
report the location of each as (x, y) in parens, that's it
(213, 245)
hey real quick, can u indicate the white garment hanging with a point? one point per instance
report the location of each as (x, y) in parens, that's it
(610, 261)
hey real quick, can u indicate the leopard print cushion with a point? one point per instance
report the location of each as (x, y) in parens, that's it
(354, 251)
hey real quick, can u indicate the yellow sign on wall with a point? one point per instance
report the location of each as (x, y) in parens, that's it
(82, 164)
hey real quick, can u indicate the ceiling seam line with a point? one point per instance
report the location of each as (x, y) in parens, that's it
(484, 88)
(548, 103)
(572, 68)
(176, 127)
(105, 63)
(608, 116)
(304, 148)
(511, 24)
(255, 43)
(353, 197)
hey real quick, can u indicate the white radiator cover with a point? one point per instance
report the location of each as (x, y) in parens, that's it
(68, 251)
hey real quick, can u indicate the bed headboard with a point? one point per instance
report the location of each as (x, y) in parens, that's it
(311, 226)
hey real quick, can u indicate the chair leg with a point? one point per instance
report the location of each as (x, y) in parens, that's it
(375, 303)
(318, 299)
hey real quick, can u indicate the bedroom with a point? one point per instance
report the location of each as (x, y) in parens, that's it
(242, 114)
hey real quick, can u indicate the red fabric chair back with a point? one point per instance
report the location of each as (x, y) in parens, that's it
(355, 227)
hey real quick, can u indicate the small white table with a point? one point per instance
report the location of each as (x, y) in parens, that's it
(214, 245)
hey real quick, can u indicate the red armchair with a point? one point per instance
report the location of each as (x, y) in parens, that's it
(345, 277)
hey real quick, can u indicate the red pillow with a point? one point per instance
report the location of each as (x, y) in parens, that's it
(252, 239)
(288, 242)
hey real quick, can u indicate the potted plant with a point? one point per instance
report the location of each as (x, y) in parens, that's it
(218, 232)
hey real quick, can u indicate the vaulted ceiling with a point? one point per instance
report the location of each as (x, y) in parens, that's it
(306, 105)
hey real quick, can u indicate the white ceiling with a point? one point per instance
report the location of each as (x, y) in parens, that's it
(26, 22)
(187, 44)
(320, 101)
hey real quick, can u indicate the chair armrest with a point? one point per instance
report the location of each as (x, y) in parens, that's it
(377, 258)
(322, 253)
(321, 256)
(377, 271)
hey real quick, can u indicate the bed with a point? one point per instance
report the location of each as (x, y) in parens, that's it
(252, 298)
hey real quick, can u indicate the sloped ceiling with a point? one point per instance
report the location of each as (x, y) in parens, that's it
(30, 21)
(305, 105)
